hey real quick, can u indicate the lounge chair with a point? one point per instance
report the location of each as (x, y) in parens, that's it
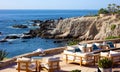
(79, 54)
(52, 64)
(85, 58)
(113, 55)
(25, 64)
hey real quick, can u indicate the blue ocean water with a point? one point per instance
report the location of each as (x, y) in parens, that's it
(8, 18)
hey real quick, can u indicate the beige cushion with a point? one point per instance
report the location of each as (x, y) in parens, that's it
(23, 59)
(104, 54)
(85, 56)
(70, 48)
(68, 52)
(114, 53)
(89, 45)
(82, 48)
(97, 44)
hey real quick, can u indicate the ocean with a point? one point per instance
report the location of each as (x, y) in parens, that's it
(15, 47)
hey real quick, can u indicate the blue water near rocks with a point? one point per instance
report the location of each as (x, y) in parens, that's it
(8, 18)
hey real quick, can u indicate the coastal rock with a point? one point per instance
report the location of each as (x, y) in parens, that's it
(20, 26)
(26, 36)
(12, 37)
(0, 33)
(37, 21)
(45, 28)
(3, 40)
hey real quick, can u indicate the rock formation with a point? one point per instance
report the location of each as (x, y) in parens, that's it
(83, 28)
(88, 27)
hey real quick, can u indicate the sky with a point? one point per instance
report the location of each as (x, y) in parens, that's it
(56, 4)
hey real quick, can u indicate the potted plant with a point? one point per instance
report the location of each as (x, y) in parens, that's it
(105, 65)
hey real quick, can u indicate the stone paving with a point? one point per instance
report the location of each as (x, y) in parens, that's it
(65, 67)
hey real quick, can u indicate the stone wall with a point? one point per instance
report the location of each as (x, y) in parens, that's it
(46, 52)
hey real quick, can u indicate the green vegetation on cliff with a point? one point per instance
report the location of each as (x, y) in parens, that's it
(113, 27)
(112, 37)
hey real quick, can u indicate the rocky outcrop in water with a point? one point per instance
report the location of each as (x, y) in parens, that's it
(12, 37)
(20, 26)
(0, 33)
(45, 29)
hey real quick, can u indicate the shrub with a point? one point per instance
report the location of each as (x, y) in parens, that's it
(73, 42)
(105, 63)
(113, 27)
(118, 12)
(3, 54)
(76, 70)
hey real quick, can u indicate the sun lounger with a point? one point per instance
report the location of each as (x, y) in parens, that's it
(25, 64)
(52, 64)
(113, 55)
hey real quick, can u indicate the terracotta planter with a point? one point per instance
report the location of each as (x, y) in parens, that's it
(105, 69)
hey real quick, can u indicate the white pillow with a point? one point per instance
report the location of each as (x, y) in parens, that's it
(70, 48)
(23, 59)
(68, 52)
(113, 52)
(82, 48)
(97, 44)
(89, 45)
(104, 53)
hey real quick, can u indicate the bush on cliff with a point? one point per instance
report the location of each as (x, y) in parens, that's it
(73, 42)
(113, 27)
(112, 37)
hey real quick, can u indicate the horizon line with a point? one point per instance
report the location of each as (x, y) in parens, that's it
(49, 9)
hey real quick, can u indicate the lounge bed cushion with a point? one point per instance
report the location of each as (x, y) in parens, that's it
(23, 59)
(69, 52)
(85, 56)
(89, 45)
(105, 54)
(114, 53)
(97, 44)
(70, 48)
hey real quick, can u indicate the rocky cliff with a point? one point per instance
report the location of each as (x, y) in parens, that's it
(83, 28)
(88, 27)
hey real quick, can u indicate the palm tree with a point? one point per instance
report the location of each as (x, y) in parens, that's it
(118, 7)
(109, 8)
(113, 8)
